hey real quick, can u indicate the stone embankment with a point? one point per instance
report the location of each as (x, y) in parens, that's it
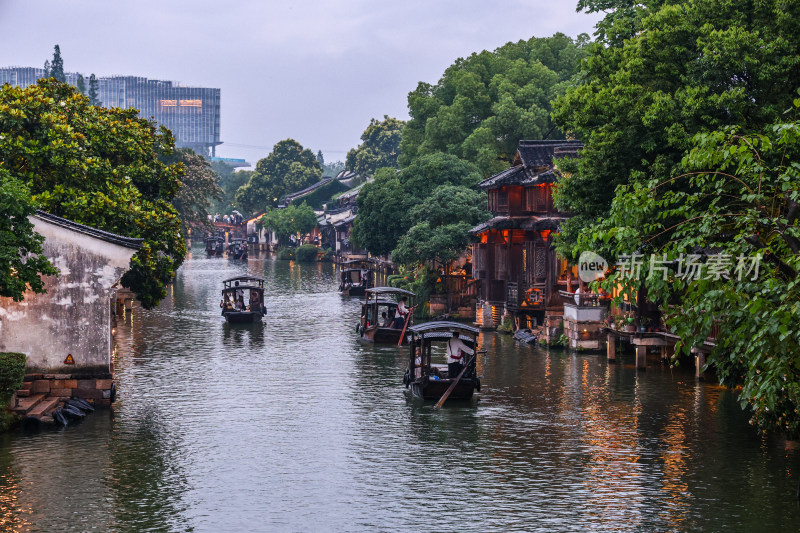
(56, 398)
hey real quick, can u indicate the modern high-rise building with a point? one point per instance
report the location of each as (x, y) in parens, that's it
(191, 113)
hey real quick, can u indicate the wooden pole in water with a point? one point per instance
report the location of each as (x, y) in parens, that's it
(453, 385)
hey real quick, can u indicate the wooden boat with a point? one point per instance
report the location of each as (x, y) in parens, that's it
(215, 246)
(373, 327)
(429, 381)
(243, 300)
(356, 278)
(237, 249)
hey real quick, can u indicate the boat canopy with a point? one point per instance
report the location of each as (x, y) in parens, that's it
(443, 329)
(245, 282)
(389, 290)
(356, 262)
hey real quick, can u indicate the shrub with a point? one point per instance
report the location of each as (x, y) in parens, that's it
(12, 374)
(507, 326)
(306, 253)
(286, 254)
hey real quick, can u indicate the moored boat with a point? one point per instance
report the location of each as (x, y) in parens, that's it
(243, 299)
(428, 380)
(385, 314)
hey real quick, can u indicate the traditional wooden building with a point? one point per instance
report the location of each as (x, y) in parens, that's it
(515, 262)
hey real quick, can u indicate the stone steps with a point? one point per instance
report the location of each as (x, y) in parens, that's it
(45, 407)
(24, 405)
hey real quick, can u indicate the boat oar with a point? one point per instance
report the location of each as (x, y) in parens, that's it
(453, 385)
(402, 333)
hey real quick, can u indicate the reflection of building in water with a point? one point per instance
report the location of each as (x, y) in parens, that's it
(191, 113)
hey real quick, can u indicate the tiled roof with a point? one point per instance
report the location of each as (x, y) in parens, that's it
(128, 242)
(520, 175)
(345, 221)
(526, 223)
(541, 153)
(303, 192)
(533, 163)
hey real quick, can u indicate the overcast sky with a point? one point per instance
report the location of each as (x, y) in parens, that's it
(316, 71)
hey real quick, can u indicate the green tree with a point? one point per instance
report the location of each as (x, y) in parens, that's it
(199, 188)
(740, 205)
(81, 84)
(379, 148)
(442, 223)
(384, 204)
(229, 180)
(320, 158)
(57, 65)
(94, 91)
(288, 168)
(484, 104)
(21, 261)
(99, 167)
(332, 169)
(661, 72)
(46, 69)
(289, 221)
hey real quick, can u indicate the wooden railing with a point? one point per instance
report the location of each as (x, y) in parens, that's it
(583, 299)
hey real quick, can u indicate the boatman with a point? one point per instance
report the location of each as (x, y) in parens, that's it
(456, 350)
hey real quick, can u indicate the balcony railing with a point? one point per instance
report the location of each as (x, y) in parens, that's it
(584, 299)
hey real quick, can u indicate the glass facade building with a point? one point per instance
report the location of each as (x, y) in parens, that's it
(191, 113)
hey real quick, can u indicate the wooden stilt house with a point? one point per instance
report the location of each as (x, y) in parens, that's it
(519, 271)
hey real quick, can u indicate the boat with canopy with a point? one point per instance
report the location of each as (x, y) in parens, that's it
(429, 380)
(243, 300)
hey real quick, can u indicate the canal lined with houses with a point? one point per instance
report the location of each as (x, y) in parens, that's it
(294, 425)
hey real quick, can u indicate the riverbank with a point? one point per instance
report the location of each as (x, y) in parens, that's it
(294, 423)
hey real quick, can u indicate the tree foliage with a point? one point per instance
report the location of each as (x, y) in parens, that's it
(21, 259)
(81, 84)
(57, 65)
(661, 72)
(379, 148)
(441, 226)
(98, 167)
(484, 104)
(229, 180)
(289, 221)
(384, 204)
(332, 169)
(287, 169)
(199, 187)
(738, 211)
(94, 90)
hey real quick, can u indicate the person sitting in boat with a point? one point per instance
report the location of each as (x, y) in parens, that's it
(456, 349)
(385, 322)
(390, 319)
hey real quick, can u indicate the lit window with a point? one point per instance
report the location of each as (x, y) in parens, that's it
(169, 103)
(191, 103)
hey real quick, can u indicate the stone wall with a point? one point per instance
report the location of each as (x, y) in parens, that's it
(74, 316)
(96, 391)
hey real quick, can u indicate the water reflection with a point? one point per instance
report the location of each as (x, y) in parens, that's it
(294, 425)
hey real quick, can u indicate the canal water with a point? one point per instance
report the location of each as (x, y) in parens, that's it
(294, 425)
